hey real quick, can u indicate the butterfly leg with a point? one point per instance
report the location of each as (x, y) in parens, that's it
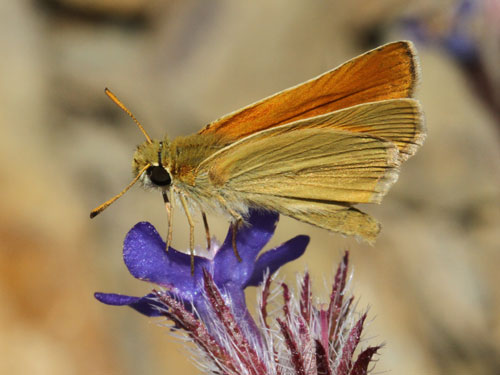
(207, 230)
(191, 230)
(235, 225)
(169, 209)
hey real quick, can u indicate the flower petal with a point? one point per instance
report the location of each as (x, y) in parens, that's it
(277, 257)
(250, 239)
(146, 258)
(147, 305)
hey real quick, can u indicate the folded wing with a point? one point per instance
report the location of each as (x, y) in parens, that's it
(387, 72)
(398, 120)
(306, 164)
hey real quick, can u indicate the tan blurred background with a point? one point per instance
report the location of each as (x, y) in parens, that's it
(432, 280)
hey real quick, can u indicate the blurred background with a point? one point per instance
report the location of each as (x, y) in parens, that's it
(431, 282)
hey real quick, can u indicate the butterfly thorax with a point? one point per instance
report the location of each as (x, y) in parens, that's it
(187, 153)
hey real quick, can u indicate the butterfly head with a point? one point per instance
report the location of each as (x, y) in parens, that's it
(152, 161)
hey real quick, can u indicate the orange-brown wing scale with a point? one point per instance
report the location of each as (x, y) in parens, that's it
(388, 72)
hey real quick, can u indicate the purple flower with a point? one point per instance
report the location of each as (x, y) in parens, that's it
(296, 337)
(145, 257)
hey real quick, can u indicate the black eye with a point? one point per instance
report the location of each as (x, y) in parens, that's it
(159, 176)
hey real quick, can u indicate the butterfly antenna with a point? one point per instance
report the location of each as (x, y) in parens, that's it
(126, 110)
(96, 211)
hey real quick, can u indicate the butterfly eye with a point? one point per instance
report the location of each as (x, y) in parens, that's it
(159, 175)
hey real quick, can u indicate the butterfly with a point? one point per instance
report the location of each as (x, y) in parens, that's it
(310, 152)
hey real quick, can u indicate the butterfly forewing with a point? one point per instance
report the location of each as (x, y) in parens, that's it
(388, 72)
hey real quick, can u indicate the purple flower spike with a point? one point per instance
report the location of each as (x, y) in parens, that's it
(304, 338)
(146, 259)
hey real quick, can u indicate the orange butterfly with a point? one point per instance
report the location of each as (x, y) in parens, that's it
(309, 152)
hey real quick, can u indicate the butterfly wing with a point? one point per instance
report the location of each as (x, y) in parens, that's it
(388, 72)
(313, 175)
(334, 217)
(307, 164)
(397, 120)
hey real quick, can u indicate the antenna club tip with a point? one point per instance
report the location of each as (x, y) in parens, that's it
(94, 214)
